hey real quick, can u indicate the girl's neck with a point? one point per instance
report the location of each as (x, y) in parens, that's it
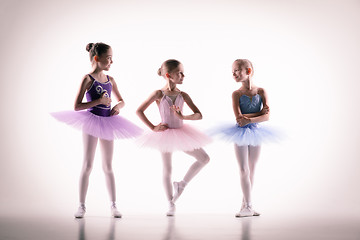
(96, 70)
(247, 85)
(170, 86)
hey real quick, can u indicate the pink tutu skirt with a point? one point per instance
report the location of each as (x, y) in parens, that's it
(108, 128)
(185, 138)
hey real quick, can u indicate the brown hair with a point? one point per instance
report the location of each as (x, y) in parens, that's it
(168, 66)
(97, 49)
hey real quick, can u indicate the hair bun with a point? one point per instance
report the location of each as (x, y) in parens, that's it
(159, 72)
(89, 46)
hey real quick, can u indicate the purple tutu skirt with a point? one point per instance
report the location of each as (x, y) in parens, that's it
(253, 134)
(108, 128)
(185, 138)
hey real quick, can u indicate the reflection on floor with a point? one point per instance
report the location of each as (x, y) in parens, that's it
(182, 227)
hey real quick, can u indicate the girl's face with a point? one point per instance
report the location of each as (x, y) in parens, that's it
(240, 74)
(104, 61)
(177, 75)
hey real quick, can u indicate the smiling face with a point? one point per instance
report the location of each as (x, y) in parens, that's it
(104, 61)
(240, 73)
(177, 75)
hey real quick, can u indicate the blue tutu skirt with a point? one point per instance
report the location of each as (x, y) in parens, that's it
(253, 134)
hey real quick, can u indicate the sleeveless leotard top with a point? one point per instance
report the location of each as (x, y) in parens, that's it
(95, 91)
(167, 115)
(250, 105)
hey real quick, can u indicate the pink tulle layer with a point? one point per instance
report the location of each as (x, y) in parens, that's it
(185, 138)
(109, 128)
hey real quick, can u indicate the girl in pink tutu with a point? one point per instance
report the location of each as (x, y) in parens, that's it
(171, 134)
(99, 122)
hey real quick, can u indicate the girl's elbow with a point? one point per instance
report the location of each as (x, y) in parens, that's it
(267, 117)
(139, 112)
(200, 116)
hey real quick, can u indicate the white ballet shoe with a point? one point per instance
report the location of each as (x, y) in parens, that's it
(115, 213)
(80, 212)
(178, 188)
(255, 213)
(245, 212)
(172, 209)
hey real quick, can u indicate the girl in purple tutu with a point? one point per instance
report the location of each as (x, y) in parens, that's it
(251, 107)
(171, 134)
(99, 122)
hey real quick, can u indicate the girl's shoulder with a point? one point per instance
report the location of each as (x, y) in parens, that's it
(87, 81)
(157, 94)
(261, 91)
(86, 77)
(238, 93)
(111, 79)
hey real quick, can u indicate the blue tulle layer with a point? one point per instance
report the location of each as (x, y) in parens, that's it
(251, 134)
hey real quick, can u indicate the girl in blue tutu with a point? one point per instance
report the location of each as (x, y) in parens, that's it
(251, 107)
(98, 121)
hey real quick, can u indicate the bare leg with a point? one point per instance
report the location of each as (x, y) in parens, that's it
(167, 169)
(107, 149)
(90, 143)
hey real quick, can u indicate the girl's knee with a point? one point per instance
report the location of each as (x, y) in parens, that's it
(244, 172)
(87, 167)
(107, 168)
(205, 159)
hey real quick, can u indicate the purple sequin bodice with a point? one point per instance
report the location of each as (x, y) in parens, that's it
(95, 91)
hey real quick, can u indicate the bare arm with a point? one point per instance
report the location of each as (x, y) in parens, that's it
(264, 114)
(85, 85)
(195, 116)
(120, 102)
(236, 105)
(140, 111)
(243, 119)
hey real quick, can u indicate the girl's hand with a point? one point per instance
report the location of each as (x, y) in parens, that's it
(160, 128)
(265, 110)
(177, 111)
(242, 121)
(114, 111)
(104, 99)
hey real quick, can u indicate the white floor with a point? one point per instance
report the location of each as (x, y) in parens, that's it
(183, 226)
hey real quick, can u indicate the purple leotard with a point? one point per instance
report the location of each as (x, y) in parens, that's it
(95, 91)
(96, 121)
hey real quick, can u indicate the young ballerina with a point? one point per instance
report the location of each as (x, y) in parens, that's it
(250, 106)
(171, 134)
(99, 122)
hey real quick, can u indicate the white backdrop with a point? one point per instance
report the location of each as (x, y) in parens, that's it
(305, 54)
